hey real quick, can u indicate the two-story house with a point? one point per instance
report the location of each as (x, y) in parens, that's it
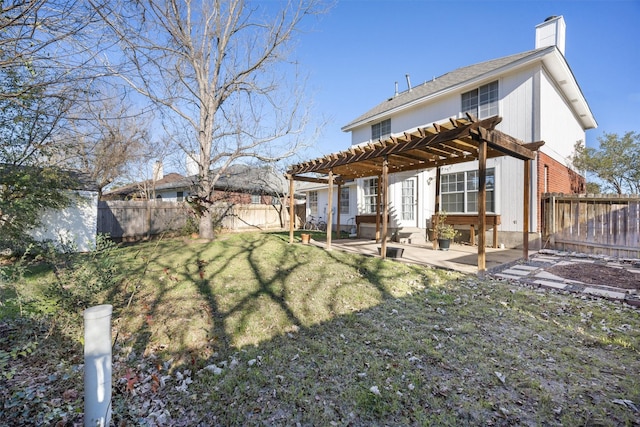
(538, 98)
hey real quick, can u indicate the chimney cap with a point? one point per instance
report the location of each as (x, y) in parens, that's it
(551, 18)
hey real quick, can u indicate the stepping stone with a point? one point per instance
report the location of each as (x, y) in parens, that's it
(549, 276)
(517, 272)
(547, 258)
(550, 284)
(525, 267)
(507, 276)
(604, 293)
(561, 263)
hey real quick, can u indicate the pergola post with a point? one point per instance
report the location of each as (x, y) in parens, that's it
(330, 210)
(378, 191)
(526, 207)
(339, 206)
(434, 233)
(292, 208)
(385, 206)
(482, 204)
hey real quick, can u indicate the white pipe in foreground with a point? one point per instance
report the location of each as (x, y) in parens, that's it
(97, 366)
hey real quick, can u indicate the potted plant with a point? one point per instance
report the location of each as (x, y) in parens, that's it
(444, 232)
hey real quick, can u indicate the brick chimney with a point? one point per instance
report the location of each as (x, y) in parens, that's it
(551, 33)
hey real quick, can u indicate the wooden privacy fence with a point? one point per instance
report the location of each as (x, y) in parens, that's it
(595, 224)
(132, 220)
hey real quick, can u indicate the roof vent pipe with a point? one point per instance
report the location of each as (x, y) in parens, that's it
(408, 81)
(396, 94)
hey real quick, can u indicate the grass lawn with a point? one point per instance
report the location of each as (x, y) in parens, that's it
(250, 330)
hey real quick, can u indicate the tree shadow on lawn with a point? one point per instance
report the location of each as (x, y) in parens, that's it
(206, 297)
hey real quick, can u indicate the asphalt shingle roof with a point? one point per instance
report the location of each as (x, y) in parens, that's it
(443, 82)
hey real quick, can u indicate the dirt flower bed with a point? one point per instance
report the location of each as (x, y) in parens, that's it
(598, 274)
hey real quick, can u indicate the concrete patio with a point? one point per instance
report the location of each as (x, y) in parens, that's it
(463, 258)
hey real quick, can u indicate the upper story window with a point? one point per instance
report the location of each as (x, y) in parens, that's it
(481, 102)
(256, 199)
(381, 129)
(180, 196)
(459, 191)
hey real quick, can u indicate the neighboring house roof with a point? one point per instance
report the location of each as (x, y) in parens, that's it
(168, 179)
(237, 178)
(458, 79)
(252, 179)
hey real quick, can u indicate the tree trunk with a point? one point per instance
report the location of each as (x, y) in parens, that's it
(206, 226)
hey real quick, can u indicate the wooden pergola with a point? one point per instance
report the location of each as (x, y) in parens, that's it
(458, 141)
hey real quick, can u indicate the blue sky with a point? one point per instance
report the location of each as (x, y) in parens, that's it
(356, 53)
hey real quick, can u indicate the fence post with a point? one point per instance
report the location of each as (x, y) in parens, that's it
(97, 365)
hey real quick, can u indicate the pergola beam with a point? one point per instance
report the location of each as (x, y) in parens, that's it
(506, 144)
(376, 150)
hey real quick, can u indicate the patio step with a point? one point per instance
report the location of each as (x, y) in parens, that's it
(411, 235)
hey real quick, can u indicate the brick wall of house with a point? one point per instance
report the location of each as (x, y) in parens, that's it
(554, 177)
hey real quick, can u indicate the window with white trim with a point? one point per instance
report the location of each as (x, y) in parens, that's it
(481, 102)
(459, 191)
(256, 199)
(381, 129)
(370, 195)
(313, 203)
(344, 200)
(180, 196)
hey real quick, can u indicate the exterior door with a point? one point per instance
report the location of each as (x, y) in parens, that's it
(409, 203)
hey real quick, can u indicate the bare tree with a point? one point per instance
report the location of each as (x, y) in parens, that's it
(219, 71)
(49, 44)
(106, 137)
(46, 49)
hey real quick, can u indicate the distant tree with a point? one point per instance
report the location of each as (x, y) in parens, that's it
(219, 72)
(616, 162)
(593, 188)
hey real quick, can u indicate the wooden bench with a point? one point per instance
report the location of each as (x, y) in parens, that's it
(491, 221)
